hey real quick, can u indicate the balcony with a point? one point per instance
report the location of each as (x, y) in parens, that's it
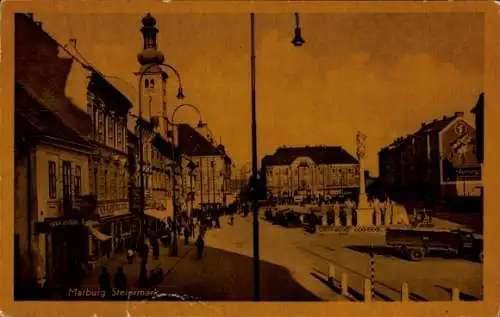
(110, 208)
(81, 207)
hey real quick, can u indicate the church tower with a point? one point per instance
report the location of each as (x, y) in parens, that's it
(153, 82)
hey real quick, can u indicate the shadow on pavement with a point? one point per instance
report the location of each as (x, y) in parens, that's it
(463, 296)
(377, 250)
(395, 253)
(226, 276)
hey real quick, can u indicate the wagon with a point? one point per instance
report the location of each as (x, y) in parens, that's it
(415, 243)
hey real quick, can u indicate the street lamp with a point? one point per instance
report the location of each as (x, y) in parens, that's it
(180, 95)
(297, 41)
(177, 163)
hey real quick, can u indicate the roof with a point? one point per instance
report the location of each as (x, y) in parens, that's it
(319, 154)
(436, 125)
(108, 92)
(32, 119)
(193, 143)
(479, 105)
(163, 146)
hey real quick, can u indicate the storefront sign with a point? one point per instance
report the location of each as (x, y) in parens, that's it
(135, 200)
(49, 224)
(461, 173)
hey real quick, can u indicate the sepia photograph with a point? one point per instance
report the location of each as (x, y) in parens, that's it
(291, 157)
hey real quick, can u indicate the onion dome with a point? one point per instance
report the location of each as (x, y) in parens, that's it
(148, 20)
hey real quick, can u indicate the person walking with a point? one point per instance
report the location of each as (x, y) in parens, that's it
(186, 235)
(105, 282)
(200, 245)
(191, 227)
(120, 280)
(130, 256)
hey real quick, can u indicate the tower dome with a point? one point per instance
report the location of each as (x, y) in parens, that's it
(148, 20)
(150, 53)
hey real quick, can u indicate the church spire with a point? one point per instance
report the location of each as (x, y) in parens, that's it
(150, 53)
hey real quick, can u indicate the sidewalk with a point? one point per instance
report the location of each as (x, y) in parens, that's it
(132, 270)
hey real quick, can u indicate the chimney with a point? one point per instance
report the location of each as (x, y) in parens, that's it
(72, 42)
(30, 16)
(39, 23)
(422, 124)
(445, 117)
(459, 114)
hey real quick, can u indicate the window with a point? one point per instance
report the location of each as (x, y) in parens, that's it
(96, 183)
(151, 83)
(114, 192)
(119, 137)
(106, 191)
(111, 131)
(146, 83)
(100, 126)
(78, 180)
(52, 180)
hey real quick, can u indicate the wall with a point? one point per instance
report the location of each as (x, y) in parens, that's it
(319, 178)
(45, 153)
(21, 212)
(209, 181)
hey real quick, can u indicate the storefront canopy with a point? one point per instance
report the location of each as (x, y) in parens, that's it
(160, 214)
(98, 235)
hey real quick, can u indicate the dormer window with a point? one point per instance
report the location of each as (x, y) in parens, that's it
(151, 83)
(146, 83)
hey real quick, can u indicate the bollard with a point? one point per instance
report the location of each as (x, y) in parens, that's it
(455, 294)
(331, 273)
(377, 218)
(348, 219)
(343, 285)
(367, 290)
(372, 270)
(405, 297)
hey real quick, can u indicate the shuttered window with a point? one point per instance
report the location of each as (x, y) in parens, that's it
(78, 180)
(52, 180)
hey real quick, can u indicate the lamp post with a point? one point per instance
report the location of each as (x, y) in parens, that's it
(296, 41)
(177, 164)
(180, 95)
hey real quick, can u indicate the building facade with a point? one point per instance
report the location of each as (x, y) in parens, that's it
(436, 162)
(157, 151)
(209, 176)
(478, 112)
(60, 79)
(310, 171)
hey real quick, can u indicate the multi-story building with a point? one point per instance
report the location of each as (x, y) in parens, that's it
(158, 152)
(211, 166)
(51, 178)
(478, 112)
(58, 77)
(310, 171)
(437, 161)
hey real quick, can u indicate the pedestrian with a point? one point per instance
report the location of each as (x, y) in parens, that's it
(155, 247)
(200, 245)
(191, 227)
(231, 219)
(105, 281)
(130, 256)
(120, 280)
(186, 235)
(143, 274)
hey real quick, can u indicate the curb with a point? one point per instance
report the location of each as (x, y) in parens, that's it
(364, 229)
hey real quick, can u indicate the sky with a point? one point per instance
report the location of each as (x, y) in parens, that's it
(382, 74)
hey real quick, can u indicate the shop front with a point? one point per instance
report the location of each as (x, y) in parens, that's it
(65, 245)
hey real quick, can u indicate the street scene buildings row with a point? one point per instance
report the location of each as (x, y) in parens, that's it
(77, 153)
(440, 161)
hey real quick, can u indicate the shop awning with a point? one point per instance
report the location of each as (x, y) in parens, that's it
(159, 214)
(98, 235)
